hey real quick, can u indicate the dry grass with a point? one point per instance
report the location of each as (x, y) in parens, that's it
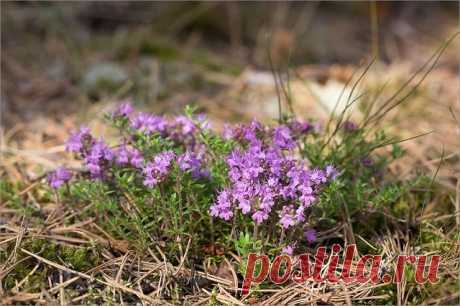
(124, 276)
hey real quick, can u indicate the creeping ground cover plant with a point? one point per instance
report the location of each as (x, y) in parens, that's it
(173, 179)
(252, 187)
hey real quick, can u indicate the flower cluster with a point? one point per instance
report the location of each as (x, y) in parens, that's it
(180, 129)
(193, 162)
(149, 124)
(126, 155)
(156, 170)
(95, 153)
(99, 159)
(79, 141)
(283, 136)
(124, 110)
(59, 177)
(266, 181)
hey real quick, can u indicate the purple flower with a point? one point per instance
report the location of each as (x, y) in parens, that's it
(136, 158)
(307, 199)
(223, 206)
(286, 216)
(97, 159)
(162, 161)
(331, 172)
(310, 235)
(127, 155)
(300, 214)
(318, 176)
(260, 216)
(282, 138)
(78, 140)
(151, 181)
(185, 124)
(124, 110)
(149, 124)
(122, 156)
(245, 132)
(250, 133)
(156, 170)
(244, 204)
(194, 163)
(59, 177)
